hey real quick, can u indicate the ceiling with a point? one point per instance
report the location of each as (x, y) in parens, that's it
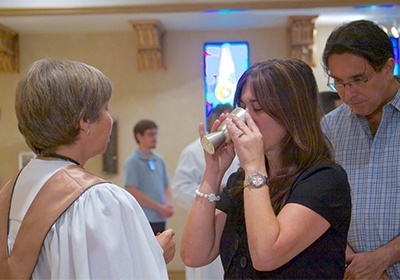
(59, 19)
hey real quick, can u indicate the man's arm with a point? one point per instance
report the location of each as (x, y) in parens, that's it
(392, 251)
(143, 200)
(168, 209)
(372, 265)
(167, 195)
(165, 210)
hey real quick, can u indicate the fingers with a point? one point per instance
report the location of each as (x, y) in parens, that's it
(241, 124)
(217, 122)
(169, 231)
(239, 128)
(172, 231)
(201, 129)
(249, 122)
(234, 130)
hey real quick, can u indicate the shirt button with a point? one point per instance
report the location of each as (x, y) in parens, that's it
(243, 262)
(236, 244)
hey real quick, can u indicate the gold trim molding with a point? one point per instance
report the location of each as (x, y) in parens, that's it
(301, 37)
(190, 7)
(149, 38)
(9, 50)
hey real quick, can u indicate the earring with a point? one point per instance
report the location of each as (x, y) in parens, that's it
(88, 132)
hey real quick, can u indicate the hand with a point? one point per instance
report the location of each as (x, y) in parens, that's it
(167, 243)
(365, 266)
(248, 141)
(223, 156)
(166, 210)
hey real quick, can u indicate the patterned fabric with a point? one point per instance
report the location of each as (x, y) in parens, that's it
(373, 167)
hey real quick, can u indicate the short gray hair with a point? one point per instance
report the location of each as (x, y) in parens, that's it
(51, 99)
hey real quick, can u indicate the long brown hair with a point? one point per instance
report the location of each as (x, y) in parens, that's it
(286, 90)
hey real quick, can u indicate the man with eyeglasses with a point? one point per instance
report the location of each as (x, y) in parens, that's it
(365, 135)
(146, 176)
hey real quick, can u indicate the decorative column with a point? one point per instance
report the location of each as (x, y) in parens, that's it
(301, 37)
(149, 37)
(9, 50)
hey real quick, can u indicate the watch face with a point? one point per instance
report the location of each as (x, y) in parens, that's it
(258, 180)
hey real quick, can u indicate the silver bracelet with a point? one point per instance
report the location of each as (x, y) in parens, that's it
(211, 197)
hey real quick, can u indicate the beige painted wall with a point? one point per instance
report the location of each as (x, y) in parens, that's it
(173, 98)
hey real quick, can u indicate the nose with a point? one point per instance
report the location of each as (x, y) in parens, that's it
(347, 93)
(111, 120)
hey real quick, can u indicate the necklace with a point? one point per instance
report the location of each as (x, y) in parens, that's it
(64, 158)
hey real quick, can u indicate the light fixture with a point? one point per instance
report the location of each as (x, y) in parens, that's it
(394, 30)
(383, 28)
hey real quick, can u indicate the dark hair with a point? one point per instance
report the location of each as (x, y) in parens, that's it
(141, 126)
(362, 38)
(286, 90)
(328, 99)
(216, 112)
(53, 96)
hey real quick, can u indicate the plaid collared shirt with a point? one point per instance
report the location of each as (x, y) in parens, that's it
(373, 167)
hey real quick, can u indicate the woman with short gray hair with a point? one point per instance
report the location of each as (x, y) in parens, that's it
(100, 230)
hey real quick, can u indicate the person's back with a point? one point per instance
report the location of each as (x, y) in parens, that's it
(364, 133)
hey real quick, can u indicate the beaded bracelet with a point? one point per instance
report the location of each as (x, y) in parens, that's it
(211, 197)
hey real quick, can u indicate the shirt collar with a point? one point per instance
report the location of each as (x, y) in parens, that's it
(395, 102)
(142, 156)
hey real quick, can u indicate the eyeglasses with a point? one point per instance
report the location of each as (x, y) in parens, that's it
(357, 83)
(151, 133)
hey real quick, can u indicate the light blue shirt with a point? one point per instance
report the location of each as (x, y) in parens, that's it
(373, 167)
(150, 177)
